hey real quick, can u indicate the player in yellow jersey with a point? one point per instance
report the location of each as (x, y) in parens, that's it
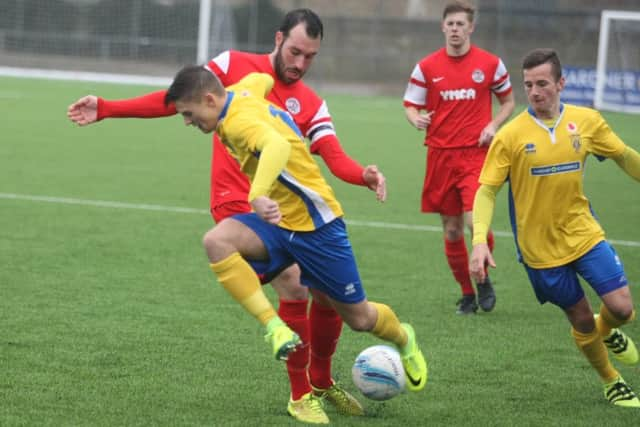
(296, 215)
(542, 152)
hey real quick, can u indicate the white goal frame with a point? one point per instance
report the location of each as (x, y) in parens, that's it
(603, 46)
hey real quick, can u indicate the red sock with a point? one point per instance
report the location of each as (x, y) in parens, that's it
(294, 314)
(491, 243)
(458, 259)
(326, 326)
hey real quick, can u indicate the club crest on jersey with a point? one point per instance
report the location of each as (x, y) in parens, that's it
(293, 105)
(530, 148)
(574, 136)
(576, 142)
(477, 76)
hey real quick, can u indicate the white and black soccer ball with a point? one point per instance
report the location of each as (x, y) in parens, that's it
(378, 372)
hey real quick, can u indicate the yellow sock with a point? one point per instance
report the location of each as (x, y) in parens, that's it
(593, 348)
(388, 327)
(607, 321)
(240, 281)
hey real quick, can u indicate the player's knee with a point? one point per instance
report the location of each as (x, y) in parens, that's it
(454, 234)
(291, 291)
(209, 240)
(287, 284)
(360, 323)
(214, 245)
(624, 313)
(453, 227)
(584, 322)
(290, 275)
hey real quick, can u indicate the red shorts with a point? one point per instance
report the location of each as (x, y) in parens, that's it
(228, 209)
(451, 181)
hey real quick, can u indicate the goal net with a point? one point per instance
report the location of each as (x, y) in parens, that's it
(618, 68)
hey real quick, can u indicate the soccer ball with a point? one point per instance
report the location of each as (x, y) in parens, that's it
(378, 372)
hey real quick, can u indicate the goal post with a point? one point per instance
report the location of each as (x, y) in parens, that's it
(204, 23)
(617, 85)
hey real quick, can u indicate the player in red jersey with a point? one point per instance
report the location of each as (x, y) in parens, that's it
(449, 96)
(296, 44)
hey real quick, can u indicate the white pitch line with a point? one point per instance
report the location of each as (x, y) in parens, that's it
(431, 228)
(161, 208)
(101, 203)
(85, 76)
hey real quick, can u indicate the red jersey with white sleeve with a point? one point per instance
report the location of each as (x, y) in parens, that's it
(309, 112)
(458, 89)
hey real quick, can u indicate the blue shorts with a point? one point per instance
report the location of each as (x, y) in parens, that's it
(324, 256)
(600, 267)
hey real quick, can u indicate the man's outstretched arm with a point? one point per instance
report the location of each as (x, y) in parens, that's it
(90, 109)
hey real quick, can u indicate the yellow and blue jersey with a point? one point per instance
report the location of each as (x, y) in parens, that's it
(551, 217)
(247, 123)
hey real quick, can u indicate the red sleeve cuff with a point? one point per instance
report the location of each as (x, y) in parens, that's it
(339, 163)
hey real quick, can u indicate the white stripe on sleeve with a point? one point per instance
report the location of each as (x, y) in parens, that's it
(322, 113)
(501, 81)
(223, 60)
(416, 94)
(321, 124)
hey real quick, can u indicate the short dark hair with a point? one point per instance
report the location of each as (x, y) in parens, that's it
(192, 82)
(312, 22)
(459, 6)
(541, 56)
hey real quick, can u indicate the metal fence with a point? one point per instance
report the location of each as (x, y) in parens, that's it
(369, 45)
